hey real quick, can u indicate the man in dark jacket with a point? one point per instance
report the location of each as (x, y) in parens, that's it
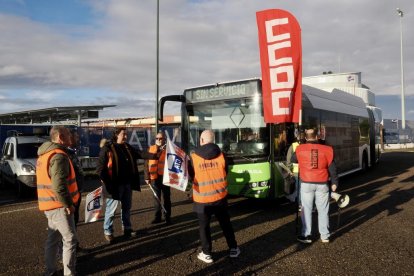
(118, 170)
(77, 166)
(208, 170)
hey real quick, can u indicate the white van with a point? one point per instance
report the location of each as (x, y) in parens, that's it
(18, 162)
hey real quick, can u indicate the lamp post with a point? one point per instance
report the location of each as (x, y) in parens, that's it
(158, 65)
(401, 14)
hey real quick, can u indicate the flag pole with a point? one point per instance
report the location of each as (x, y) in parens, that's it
(157, 198)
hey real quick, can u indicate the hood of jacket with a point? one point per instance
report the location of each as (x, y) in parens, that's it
(208, 151)
(48, 146)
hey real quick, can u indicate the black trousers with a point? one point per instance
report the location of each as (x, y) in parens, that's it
(204, 219)
(77, 207)
(163, 192)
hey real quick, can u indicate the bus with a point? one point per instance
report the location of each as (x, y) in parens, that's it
(256, 151)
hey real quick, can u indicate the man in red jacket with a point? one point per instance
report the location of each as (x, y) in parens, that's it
(316, 165)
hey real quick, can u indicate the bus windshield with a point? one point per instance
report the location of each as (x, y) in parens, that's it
(238, 125)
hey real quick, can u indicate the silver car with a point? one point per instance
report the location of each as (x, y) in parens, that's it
(18, 162)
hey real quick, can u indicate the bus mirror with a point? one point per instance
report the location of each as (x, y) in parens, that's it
(171, 98)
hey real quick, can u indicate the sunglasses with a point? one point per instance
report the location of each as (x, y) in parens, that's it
(157, 138)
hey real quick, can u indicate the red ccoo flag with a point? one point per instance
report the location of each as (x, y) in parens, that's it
(281, 63)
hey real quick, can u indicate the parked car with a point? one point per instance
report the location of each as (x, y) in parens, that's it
(18, 162)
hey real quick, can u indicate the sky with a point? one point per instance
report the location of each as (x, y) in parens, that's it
(103, 52)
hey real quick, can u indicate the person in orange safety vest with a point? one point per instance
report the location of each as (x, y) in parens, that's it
(154, 173)
(58, 195)
(316, 165)
(208, 171)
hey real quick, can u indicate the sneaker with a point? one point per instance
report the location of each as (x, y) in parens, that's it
(109, 238)
(234, 252)
(325, 240)
(303, 239)
(156, 220)
(205, 257)
(128, 233)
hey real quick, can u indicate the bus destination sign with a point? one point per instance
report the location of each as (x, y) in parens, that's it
(222, 91)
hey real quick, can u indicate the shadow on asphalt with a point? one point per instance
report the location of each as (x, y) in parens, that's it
(158, 242)
(162, 242)
(368, 186)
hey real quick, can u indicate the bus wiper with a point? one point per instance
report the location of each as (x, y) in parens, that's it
(248, 159)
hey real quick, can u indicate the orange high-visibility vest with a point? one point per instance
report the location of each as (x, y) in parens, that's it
(209, 184)
(314, 160)
(46, 196)
(156, 167)
(110, 164)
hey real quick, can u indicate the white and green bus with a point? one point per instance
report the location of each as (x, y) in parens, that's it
(255, 150)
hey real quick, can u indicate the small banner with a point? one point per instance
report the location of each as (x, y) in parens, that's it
(93, 205)
(175, 168)
(281, 63)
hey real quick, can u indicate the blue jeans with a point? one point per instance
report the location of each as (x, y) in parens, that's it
(320, 194)
(125, 194)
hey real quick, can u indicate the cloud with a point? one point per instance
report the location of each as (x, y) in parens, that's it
(15, 101)
(42, 96)
(11, 70)
(201, 42)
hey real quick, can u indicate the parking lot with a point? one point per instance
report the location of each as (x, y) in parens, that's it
(372, 236)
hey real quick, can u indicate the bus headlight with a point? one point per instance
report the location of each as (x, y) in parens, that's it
(258, 184)
(263, 183)
(28, 168)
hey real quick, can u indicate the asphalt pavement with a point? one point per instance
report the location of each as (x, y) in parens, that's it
(371, 236)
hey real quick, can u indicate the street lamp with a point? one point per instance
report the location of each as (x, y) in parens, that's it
(401, 14)
(158, 66)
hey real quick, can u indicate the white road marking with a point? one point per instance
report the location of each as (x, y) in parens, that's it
(35, 207)
(18, 210)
